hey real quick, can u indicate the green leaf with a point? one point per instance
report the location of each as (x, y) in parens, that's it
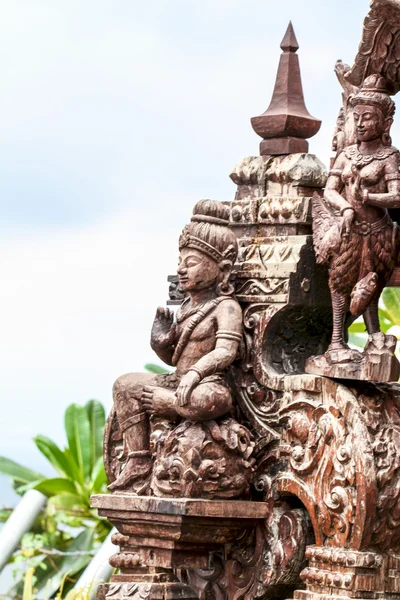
(99, 477)
(97, 419)
(357, 327)
(55, 486)
(28, 585)
(73, 564)
(157, 369)
(17, 471)
(4, 514)
(68, 502)
(383, 314)
(59, 566)
(78, 433)
(391, 300)
(357, 339)
(77, 475)
(60, 591)
(54, 455)
(102, 528)
(25, 487)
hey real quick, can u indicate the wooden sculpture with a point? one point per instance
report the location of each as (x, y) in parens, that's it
(267, 465)
(202, 343)
(355, 236)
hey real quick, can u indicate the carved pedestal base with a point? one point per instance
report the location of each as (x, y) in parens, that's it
(156, 536)
(378, 363)
(160, 586)
(337, 573)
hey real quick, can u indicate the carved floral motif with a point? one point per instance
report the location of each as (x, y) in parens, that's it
(319, 449)
(263, 564)
(204, 460)
(380, 407)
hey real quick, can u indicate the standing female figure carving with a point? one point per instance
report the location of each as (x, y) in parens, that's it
(353, 232)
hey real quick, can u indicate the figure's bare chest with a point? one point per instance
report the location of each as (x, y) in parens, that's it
(368, 175)
(206, 329)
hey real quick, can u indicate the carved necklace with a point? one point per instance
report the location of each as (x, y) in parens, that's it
(361, 160)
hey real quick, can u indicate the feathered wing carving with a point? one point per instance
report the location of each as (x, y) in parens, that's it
(326, 230)
(379, 50)
(345, 134)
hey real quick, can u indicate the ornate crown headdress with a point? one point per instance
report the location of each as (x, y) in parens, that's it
(188, 240)
(374, 91)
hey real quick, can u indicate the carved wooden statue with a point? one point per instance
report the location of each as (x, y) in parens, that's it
(267, 465)
(201, 343)
(355, 236)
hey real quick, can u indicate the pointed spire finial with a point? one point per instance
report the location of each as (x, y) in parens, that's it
(289, 42)
(287, 124)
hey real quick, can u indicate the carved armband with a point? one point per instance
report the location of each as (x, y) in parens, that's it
(342, 210)
(229, 335)
(204, 368)
(206, 371)
(392, 176)
(336, 172)
(196, 370)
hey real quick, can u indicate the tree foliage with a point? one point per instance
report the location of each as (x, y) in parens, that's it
(67, 533)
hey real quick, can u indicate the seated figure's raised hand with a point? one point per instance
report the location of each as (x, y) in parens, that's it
(163, 331)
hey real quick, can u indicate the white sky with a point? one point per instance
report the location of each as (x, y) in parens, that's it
(115, 118)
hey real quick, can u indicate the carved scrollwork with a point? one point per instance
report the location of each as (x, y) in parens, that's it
(263, 287)
(264, 564)
(112, 446)
(380, 406)
(319, 449)
(251, 314)
(259, 405)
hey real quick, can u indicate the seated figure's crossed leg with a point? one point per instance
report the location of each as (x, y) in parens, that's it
(134, 425)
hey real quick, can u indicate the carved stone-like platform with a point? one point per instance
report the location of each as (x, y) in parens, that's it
(157, 536)
(337, 572)
(377, 363)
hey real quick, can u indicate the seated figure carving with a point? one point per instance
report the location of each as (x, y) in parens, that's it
(201, 343)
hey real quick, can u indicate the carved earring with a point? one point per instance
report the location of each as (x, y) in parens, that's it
(386, 139)
(225, 288)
